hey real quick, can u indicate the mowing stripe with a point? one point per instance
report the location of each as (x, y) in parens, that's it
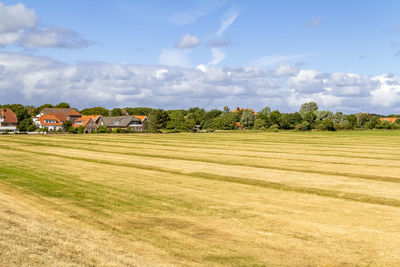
(229, 163)
(238, 180)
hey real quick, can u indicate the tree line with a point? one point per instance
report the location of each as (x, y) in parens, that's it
(307, 118)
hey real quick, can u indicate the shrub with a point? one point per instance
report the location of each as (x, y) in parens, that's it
(103, 129)
(259, 124)
(81, 129)
(384, 125)
(72, 130)
(31, 128)
(274, 128)
(327, 125)
(304, 126)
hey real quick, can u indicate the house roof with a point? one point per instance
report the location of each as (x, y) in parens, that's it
(242, 109)
(391, 120)
(61, 113)
(49, 117)
(141, 117)
(66, 111)
(93, 117)
(8, 115)
(84, 120)
(238, 124)
(119, 121)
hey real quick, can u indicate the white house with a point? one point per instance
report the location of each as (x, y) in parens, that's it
(51, 122)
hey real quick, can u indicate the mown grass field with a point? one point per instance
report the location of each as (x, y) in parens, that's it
(233, 198)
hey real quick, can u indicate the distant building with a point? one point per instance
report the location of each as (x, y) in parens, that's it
(143, 118)
(391, 120)
(8, 120)
(90, 123)
(62, 114)
(243, 109)
(239, 125)
(124, 122)
(49, 122)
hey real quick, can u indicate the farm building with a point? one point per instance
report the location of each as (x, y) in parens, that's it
(391, 120)
(124, 122)
(90, 123)
(8, 120)
(62, 114)
(51, 122)
(143, 118)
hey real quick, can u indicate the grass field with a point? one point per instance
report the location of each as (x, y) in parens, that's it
(234, 198)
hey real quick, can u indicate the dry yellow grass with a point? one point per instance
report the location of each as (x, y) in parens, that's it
(201, 199)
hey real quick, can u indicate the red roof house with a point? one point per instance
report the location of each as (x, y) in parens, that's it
(391, 120)
(51, 122)
(8, 120)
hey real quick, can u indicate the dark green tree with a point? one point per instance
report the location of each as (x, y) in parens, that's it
(67, 125)
(95, 111)
(157, 120)
(352, 119)
(63, 105)
(116, 112)
(25, 124)
(275, 117)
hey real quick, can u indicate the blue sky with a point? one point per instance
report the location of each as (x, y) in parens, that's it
(342, 54)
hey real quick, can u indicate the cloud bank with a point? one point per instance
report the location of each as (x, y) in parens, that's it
(36, 80)
(20, 26)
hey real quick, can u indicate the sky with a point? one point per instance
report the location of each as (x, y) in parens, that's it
(178, 54)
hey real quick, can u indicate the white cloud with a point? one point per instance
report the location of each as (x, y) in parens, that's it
(37, 80)
(271, 60)
(387, 93)
(174, 57)
(53, 37)
(218, 56)
(307, 81)
(218, 42)
(188, 41)
(284, 69)
(7, 38)
(19, 25)
(16, 17)
(203, 8)
(228, 19)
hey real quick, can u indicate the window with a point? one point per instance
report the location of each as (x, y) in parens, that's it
(116, 122)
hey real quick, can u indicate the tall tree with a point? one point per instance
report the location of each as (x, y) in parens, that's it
(307, 107)
(247, 118)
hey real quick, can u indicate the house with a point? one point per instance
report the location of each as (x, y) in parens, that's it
(391, 120)
(143, 118)
(124, 122)
(239, 125)
(62, 114)
(91, 123)
(243, 109)
(49, 122)
(8, 120)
